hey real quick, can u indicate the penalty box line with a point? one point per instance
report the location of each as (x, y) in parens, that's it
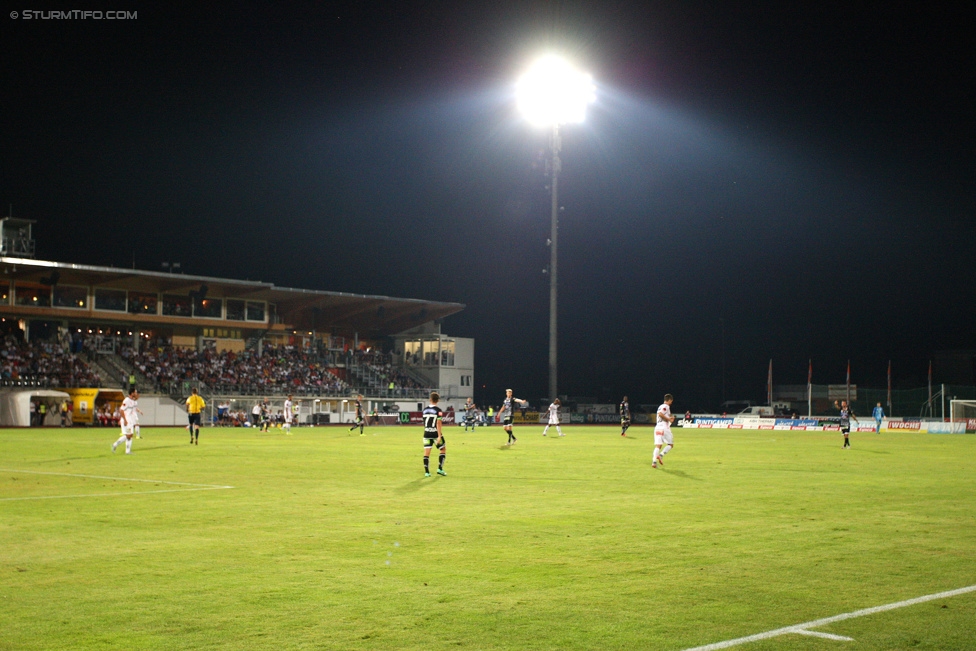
(191, 486)
(801, 629)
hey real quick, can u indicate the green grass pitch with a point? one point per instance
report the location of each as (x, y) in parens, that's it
(329, 540)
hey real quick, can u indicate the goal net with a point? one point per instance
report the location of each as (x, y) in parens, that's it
(963, 411)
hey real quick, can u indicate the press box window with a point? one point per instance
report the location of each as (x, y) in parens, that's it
(176, 305)
(67, 296)
(111, 300)
(255, 311)
(29, 296)
(209, 308)
(235, 310)
(142, 303)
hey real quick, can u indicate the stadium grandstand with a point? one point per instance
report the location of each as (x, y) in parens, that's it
(73, 329)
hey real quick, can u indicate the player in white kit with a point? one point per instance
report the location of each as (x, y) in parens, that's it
(128, 420)
(134, 417)
(287, 415)
(553, 417)
(662, 431)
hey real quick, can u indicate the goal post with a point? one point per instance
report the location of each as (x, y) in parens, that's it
(963, 411)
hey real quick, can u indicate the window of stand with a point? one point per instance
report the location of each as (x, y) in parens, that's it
(143, 303)
(430, 353)
(33, 295)
(176, 305)
(112, 300)
(208, 308)
(235, 310)
(68, 296)
(5, 295)
(255, 311)
(447, 352)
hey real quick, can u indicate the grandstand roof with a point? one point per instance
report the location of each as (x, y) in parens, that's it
(303, 309)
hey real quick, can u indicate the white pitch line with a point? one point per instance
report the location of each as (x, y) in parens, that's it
(195, 487)
(828, 636)
(64, 497)
(801, 628)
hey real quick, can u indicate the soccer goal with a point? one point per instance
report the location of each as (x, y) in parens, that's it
(963, 411)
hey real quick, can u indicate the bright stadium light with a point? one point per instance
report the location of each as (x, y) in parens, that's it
(551, 93)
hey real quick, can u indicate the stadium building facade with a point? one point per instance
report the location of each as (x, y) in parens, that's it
(391, 350)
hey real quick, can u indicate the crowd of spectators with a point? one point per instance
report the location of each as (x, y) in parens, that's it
(278, 370)
(43, 364)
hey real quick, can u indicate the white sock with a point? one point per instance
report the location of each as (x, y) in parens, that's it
(545, 430)
(128, 446)
(559, 430)
(657, 453)
(138, 435)
(116, 444)
(666, 449)
(288, 428)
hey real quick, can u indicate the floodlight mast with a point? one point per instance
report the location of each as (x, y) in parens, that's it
(553, 260)
(549, 94)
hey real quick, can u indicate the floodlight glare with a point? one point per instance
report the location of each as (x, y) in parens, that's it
(552, 92)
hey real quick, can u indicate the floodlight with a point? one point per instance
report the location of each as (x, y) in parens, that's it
(552, 92)
(549, 94)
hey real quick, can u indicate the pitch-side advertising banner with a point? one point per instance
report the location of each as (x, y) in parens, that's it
(947, 428)
(417, 417)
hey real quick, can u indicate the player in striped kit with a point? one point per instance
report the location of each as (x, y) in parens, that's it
(662, 431)
(507, 413)
(434, 434)
(360, 421)
(553, 417)
(624, 416)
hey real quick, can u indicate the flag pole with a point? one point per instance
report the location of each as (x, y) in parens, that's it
(810, 390)
(848, 384)
(889, 388)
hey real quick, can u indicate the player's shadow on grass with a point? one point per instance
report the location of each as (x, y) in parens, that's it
(417, 484)
(139, 448)
(156, 447)
(874, 451)
(94, 456)
(680, 473)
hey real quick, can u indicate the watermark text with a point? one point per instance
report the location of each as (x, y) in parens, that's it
(73, 14)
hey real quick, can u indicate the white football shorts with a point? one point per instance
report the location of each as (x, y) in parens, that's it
(663, 436)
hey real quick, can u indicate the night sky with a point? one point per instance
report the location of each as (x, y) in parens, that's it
(800, 177)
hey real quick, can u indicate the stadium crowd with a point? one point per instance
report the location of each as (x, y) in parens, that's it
(283, 368)
(43, 364)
